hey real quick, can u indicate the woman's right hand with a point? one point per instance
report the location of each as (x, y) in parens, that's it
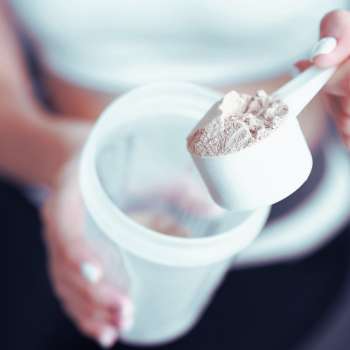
(98, 309)
(336, 24)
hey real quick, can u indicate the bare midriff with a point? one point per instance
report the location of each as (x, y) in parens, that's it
(83, 103)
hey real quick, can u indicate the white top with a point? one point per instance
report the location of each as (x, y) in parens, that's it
(115, 45)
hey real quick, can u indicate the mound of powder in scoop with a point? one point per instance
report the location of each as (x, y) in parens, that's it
(240, 121)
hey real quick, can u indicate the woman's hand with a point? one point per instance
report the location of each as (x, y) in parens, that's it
(97, 308)
(35, 145)
(337, 92)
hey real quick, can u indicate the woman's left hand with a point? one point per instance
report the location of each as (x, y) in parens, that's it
(337, 92)
(98, 308)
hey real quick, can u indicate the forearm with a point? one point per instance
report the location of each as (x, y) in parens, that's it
(33, 146)
(13, 68)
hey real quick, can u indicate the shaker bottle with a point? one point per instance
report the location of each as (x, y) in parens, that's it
(137, 146)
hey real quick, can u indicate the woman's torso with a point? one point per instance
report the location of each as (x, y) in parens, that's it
(90, 51)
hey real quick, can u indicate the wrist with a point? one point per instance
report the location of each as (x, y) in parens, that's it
(35, 145)
(67, 139)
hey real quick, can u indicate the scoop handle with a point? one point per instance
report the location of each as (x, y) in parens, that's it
(298, 92)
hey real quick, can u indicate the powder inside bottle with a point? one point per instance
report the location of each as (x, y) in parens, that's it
(239, 121)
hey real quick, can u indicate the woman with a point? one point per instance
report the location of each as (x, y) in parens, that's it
(89, 54)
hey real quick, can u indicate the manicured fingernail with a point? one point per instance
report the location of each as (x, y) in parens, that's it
(108, 338)
(324, 46)
(127, 315)
(127, 307)
(91, 272)
(127, 323)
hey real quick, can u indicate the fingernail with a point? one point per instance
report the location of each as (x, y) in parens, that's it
(127, 308)
(127, 323)
(347, 125)
(324, 46)
(127, 314)
(91, 272)
(108, 338)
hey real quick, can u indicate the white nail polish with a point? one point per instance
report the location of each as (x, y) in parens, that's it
(127, 314)
(127, 323)
(108, 338)
(127, 308)
(90, 272)
(324, 46)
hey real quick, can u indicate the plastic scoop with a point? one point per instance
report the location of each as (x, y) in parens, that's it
(276, 166)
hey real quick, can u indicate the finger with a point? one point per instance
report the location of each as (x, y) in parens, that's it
(343, 123)
(344, 133)
(335, 24)
(332, 104)
(116, 305)
(96, 295)
(345, 105)
(72, 300)
(79, 268)
(346, 140)
(92, 325)
(79, 260)
(327, 104)
(64, 223)
(96, 292)
(106, 336)
(339, 85)
(303, 64)
(103, 297)
(70, 284)
(91, 272)
(103, 333)
(339, 109)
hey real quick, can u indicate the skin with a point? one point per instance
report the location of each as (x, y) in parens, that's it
(52, 142)
(39, 147)
(337, 92)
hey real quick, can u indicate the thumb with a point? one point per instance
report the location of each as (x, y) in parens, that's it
(335, 24)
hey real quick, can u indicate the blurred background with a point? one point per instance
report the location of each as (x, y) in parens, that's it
(64, 62)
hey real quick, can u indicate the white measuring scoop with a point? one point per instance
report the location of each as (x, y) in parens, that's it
(273, 168)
